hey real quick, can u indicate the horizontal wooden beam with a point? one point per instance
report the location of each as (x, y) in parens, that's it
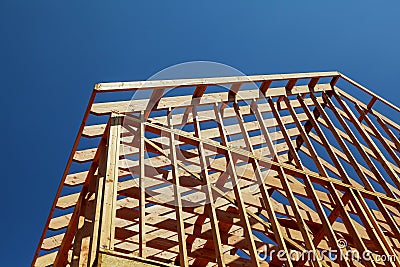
(140, 85)
(207, 99)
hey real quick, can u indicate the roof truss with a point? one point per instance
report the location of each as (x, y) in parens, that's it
(323, 166)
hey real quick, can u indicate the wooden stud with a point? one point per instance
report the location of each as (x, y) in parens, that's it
(364, 214)
(326, 225)
(107, 229)
(264, 86)
(339, 202)
(264, 192)
(232, 201)
(238, 194)
(378, 135)
(209, 195)
(142, 188)
(394, 176)
(289, 193)
(183, 258)
(313, 82)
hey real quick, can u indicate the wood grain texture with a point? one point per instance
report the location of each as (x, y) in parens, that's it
(208, 177)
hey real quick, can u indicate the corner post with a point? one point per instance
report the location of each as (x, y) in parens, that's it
(107, 228)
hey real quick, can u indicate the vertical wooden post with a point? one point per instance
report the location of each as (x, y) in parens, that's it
(107, 230)
(183, 257)
(340, 202)
(209, 195)
(142, 200)
(289, 193)
(238, 194)
(326, 225)
(276, 227)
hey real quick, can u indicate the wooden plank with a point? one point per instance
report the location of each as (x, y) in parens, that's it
(276, 227)
(209, 196)
(74, 179)
(289, 193)
(121, 86)
(387, 167)
(326, 225)
(291, 83)
(236, 187)
(186, 100)
(389, 132)
(154, 99)
(371, 111)
(85, 155)
(378, 135)
(81, 244)
(183, 257)
(112, 258)
(364, 214)
(52, 242)
(98, 200)
(46, 260)
(265, 86)
(232, 96)
(313, 82)
(91, 131)
(110, 184)
(142, 197)
(340, 202)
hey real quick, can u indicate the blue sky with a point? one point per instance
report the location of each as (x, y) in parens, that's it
(52, 52)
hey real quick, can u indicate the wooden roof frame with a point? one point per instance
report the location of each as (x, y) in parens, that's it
(347, 196)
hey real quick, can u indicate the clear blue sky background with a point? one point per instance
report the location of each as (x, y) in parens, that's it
(52, 52)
